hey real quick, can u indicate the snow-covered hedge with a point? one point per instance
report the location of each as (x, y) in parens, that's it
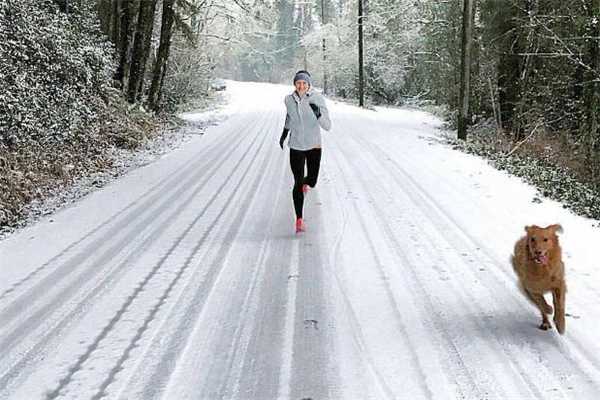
(552, 180)
(58, 112)
(54, 74)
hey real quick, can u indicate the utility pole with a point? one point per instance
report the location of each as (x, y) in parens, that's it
(465, 73)
(361, 92)
(324, 49)
(303, 33)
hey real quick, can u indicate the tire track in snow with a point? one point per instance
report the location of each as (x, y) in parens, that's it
(451, 224)
(164, 368)
(15, 309)
(158, 188)
(267, 368)
(448, 224)
(581, 350)
(162, 299)
(461, 374)
(50, 334)
(238, 351)
(221, 379)
(168, 185)
(416, 225)
(357, 333)
(311, 375)
(285, 371)
(388, 295)
(435, 250)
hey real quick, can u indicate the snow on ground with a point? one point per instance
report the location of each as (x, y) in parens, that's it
(184, 280)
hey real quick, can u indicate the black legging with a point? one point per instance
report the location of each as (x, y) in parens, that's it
(298, 158)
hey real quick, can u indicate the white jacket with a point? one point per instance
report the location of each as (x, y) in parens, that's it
(305, 129)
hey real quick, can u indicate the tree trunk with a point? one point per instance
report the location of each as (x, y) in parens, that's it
(592, 78)
(149, 28)
(63, 5)
(104, 15)
(465, 78)
(285, 39)
(325, 89)
(141, 46)
(361, 91)
(128, 17)
(125, 13)
(160, 66)
(116, 22)
(527, 71)
(509, 91)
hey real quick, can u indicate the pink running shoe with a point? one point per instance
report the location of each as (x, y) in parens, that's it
(299, 225)
(305, 188)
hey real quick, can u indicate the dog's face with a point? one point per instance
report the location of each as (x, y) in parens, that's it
(542, 241)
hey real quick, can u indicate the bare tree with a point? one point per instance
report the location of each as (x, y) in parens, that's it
(465, 78)
(160, 66)
(141, 48)
(126, 14)
(324, 49)
(592, 75)
(361, 91)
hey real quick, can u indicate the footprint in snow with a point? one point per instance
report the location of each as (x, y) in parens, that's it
(311, 323)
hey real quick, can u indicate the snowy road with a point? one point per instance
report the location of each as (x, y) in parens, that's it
(184, 279)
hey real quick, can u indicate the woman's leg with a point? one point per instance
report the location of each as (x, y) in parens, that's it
(297, 160)
(313, 162)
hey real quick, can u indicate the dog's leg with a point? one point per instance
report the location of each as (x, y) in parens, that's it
(558, 295)
(543, 306)
(547, 308)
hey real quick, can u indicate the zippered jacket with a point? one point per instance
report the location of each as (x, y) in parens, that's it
(301, 121)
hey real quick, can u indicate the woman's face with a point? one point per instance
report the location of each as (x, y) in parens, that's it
(301, 87)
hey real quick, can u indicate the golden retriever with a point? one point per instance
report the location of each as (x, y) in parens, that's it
(538, 264)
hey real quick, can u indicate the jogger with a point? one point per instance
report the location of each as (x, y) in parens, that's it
(306, 114)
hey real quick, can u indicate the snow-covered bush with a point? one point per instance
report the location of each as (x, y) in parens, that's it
(58, 112)
(54, 78)
(547, 170)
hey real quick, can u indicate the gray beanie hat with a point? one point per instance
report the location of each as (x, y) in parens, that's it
(302, 76)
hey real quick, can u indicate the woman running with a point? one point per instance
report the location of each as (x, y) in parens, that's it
(306, 114)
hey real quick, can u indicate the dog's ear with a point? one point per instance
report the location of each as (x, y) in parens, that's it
(556, 228)
(530, 228)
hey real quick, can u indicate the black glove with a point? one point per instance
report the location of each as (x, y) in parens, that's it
(283, 136)
(315, 109)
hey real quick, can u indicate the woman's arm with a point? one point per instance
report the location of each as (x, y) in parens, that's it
(286, 129)
(324, 120)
